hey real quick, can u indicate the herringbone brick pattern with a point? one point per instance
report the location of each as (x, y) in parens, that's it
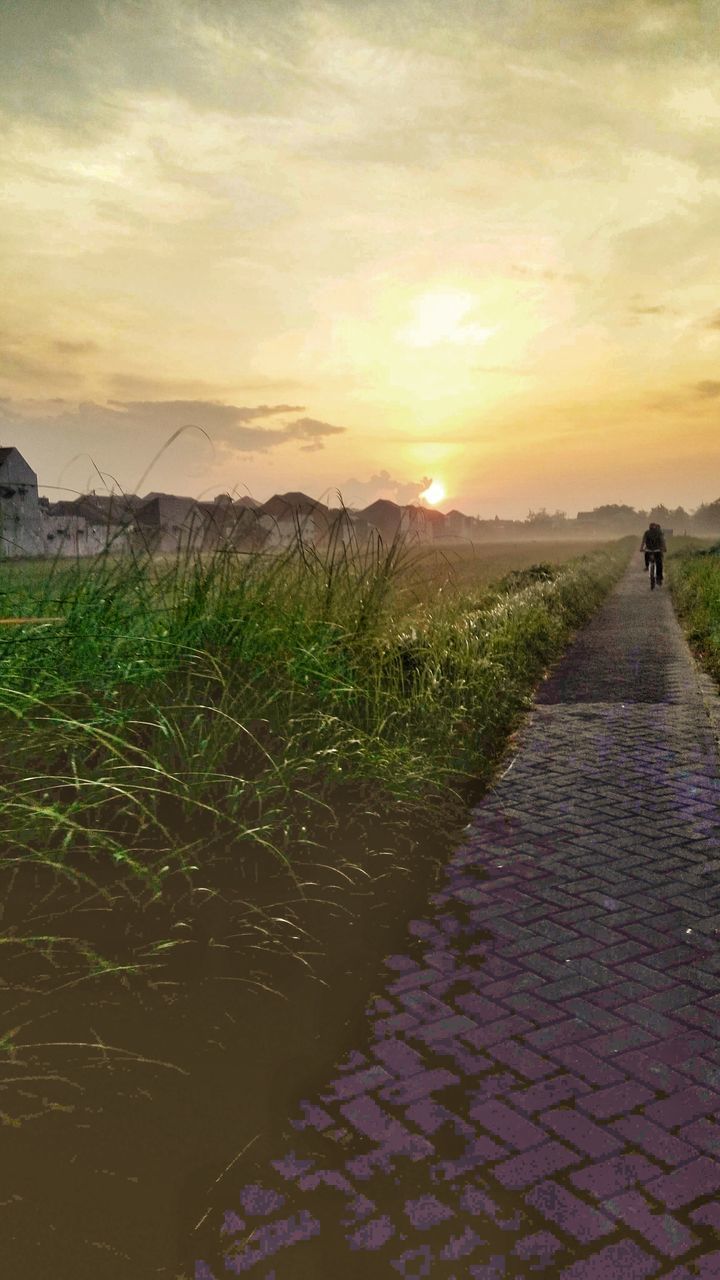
(539, 1091)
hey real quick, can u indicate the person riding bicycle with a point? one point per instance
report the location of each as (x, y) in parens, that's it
(654, 540)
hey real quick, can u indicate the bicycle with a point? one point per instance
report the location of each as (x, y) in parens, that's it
(653, 566)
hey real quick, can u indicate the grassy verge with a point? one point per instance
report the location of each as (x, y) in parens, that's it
(694, 573)
(211, 722)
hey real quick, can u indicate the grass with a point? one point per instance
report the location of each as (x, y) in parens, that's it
(214, 720)
(219, 778)
(694, 573)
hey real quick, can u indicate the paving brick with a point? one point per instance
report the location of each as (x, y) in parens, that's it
(594, 1014)
(398, 1057)
(618, 1041)
(531, 1166)
(532, 1007)
(540, 1247)
(622, 1261)
(567, 1031)
(444, 1028)
(479, 1008)
(708, 1267)
(577, 1059)
(661, 1230)
(507, 1124)
(654, 1139)
(708, 1215)
(573, 1215)
(607, 1177)
(680, 1108)
(705, 1135)
(615, 1100)
(547, 1093)
(418, 1086)
(494, 1032)
(699, 1178)
(359, 1082)
(645, 1067)
(523, 1060)
(576, 1128)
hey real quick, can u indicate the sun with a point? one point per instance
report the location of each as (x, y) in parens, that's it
(434, 493)
(440, 318)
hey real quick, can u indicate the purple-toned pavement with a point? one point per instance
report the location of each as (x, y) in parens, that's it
(539, 1091)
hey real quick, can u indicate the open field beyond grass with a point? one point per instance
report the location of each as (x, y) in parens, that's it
(218, 776)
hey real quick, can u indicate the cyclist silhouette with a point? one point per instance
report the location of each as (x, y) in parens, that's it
(654, 540)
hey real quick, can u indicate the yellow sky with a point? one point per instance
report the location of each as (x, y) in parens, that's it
(360, 245)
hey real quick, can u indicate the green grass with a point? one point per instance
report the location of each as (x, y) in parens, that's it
(209, 720)
(694, 573)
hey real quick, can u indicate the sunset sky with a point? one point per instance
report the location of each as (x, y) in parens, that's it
(359, 245)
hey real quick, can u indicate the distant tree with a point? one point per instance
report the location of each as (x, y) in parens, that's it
(545, 519)
(707, 516)
(615, 511)
(660, 515)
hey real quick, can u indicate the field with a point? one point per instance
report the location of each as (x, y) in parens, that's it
(226, 783)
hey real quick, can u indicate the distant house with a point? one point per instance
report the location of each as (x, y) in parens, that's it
(89, 524)
(418, 523)
(288, 515)
(385, 517)
(165, 523)
(458, 525)
(21, 522)
(226, 524)
(424, 523)
(101, 509)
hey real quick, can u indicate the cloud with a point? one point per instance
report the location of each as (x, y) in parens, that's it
(713, 321)
(649, 311)
(64, 347)
(688, 398)
(311, 429)
(360, 493)
(230, 424)
(708, 389)
(198, 413)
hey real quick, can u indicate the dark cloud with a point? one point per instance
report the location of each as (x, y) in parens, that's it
(687, 399)
(708, 389)
(68, 61)
(131, 387)
(649, 311)
(229, 424)
(21, 358)
(198, 413)
(311, 429)
(66, 348)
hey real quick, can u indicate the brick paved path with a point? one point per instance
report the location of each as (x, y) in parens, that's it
(539, 1093)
